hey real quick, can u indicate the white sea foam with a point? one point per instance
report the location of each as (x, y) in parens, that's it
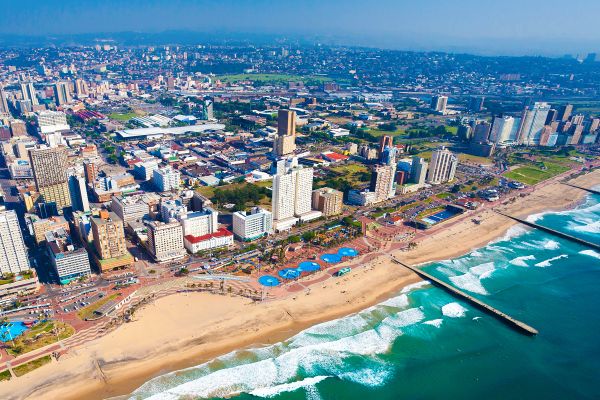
(397, 302)
(586, 226)
(476, 253)
(371, 377)
(469, 282)
(405, 318)
(551, 245)
(453, 310)
(414, 286)
(521, 261)
(482, 269)
(590, 253)
(434, 322)
(512, 232)
(548, 262)
(287, 387)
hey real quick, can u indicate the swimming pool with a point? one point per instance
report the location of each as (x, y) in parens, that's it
(268, 280)
(347, 252)
(439, 216)
(331, 258)
(10, 330)
(308, 266)
(289, 273)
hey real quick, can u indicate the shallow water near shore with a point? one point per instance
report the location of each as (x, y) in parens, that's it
(423, 343)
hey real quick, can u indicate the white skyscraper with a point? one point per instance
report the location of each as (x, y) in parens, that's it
(533, 123)
(442, 167)
(504, 129)
(292, 196)
(28, 93)
(13, 254)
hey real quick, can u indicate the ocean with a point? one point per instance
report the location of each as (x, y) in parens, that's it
(425, 344)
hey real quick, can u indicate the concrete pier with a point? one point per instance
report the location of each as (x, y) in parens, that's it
(507, 319)
(553, 231)
(594, 191)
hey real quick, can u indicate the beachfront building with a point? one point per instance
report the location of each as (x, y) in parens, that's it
(219, 238)
(361, 198)
(165, 241)
(69, 262)
(533, 121)
(328, 201)
(383, 183)
(13, 257)
(292, 195)
(199, 223)
(252, 225)
(109, 242)
(166, 179)
(442, 167)
(418, 170)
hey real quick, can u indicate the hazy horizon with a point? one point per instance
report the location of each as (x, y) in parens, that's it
(534, 27)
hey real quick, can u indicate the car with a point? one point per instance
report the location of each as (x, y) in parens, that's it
(342, 271)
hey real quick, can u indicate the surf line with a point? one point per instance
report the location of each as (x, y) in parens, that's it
(505, 318)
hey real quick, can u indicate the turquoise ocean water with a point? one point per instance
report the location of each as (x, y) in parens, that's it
(425, 344)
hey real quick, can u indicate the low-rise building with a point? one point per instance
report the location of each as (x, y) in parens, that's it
(221, 238)
(252, 225)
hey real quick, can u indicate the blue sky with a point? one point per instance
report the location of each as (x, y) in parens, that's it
(518, 26)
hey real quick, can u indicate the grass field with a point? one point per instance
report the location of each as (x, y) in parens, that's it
(40, 335)
(265, 78)
(5, 376)
(353, 173)
(469, 158)
(122, 117)
(31, 365)
(531, 175)
(379, 132)
(88, 311)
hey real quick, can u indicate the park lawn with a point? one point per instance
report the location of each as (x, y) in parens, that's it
(122, 117)
(531, 175)
(88, 311)
(31, 365)
(264, 78)
(38, 336)
(474, 159)
(380, 132)
(350, 168)
(443, 195)
(5, 375)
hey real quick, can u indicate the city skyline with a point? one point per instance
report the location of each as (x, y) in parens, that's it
(476, 27)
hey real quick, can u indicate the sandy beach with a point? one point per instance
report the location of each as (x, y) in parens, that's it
(185, 329)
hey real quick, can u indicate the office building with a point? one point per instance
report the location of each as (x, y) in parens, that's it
(52, 121)
(109, 236)
(504, 130)
(81, 89)
(41, 226)
(564, 112)
(439, 103)
(533, 122)
(129, 209)
(418, 170)
(328, 201)
(285, 141)
(165, 241)
(13, 253)
(50, 174)
(62, 94)
(3, 102)
(199, 223)
(172, 210)
(78, 192)
(91, 168)
(28, 93)
(442, 167)
(166, 179)
(252, 225)
(18, 128)
(382, 182)
(69, 262)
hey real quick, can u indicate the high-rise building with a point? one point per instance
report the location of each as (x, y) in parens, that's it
(28, 93)
(3, 102)
(62, 95)
(382, 182)
(165, 241)
(442, 167)
(109, 236)
(533, 122)
(464, 132)
(476, 104)
(328, 201)
(564, 112)
(91, 169)
(291, 199)
(418, 170)
(78, 191)
(13, 253)
(69, 262)
(166, 179)
(52, 121)
(49, 167)
(385, 141)
(207, 109)
(252, 225)
(130, 208)
(481, 132)
(81, 89)
(285, 141)
(439, 103)
(199, 223)
(504, 129)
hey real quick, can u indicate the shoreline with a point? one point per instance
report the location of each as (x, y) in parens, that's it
(204, 325)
